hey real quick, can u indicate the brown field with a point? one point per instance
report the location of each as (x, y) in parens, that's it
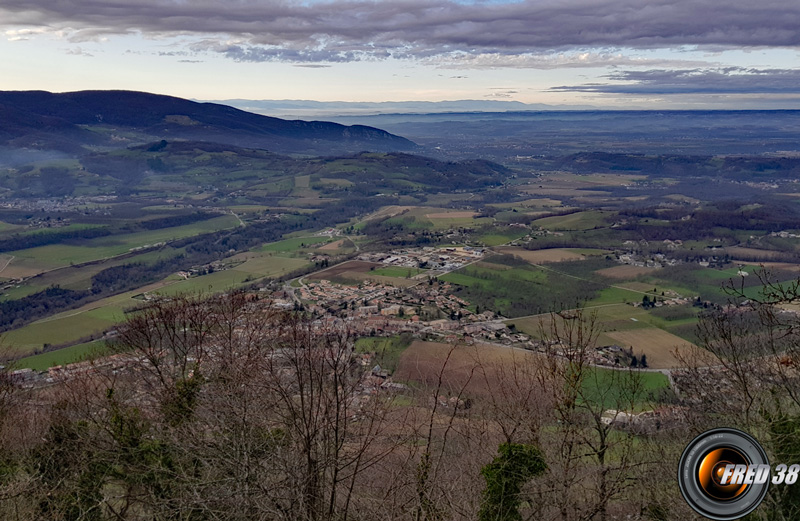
(539, 202)
(360, 276)
(657, 344)
(332, 245)
(15, 269)
(563, 192)
(339, 269)
(541, 256)
(773, 266)
(684, 198)
(470, 367)
(625, 271)
(388, 211)
(451, 215)
(733, 251)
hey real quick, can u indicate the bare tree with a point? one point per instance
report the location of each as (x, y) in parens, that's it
(593, 454)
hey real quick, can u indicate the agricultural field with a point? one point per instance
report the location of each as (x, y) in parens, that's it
(574, 221)
(659, 345)
(75, 324)
(388, 350)
(253, 268)
(626, 272)
(67, 355)
(620, 323)
(518, 289)
(422, 362)
(355, 272)
(58, 255)
(80, 277)
(296, 245)
(609, 387)
(542, 256)
(499, 236)
(345, 268)
(481, 370)
(399, 271)
(96, 317)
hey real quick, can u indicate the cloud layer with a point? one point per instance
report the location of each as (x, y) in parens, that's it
(731, 80)
(347, 30)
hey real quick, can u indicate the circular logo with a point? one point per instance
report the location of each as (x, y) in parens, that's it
(703, 480)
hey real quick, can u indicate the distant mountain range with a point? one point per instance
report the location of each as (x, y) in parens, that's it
(71, 122)
(309, 108)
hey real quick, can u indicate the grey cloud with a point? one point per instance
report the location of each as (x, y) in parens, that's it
(501, 93)
(249, 53)
(554, 60)
(731, 80)
(347, 30)
(77, 51)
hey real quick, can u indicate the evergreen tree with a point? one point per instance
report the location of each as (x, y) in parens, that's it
(505, 475)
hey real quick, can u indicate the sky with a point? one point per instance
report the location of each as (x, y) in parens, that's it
(661, 54)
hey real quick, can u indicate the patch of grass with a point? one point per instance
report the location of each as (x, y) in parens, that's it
(613, 388)
(54, 331)
(211, 283)
(387, 349)
(574, 221)
(675, 313)
(614, 295)
(6, 227)
(294, 244)
(271, 265)
(63, 356)
(496, 239)
(104, 247)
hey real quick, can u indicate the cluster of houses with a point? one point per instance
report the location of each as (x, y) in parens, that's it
(440, 259)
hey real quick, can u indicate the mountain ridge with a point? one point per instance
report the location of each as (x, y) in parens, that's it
(65, 121)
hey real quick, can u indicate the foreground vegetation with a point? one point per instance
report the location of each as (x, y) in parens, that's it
(199, 413)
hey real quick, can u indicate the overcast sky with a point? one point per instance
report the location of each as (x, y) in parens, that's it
(608, 53)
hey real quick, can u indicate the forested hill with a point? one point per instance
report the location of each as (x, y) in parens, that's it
(70, 121)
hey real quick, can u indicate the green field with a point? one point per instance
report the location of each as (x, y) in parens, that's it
(55, 255)
(294, 244)
(614, 295)
(387, 349)
(102, 315)
(211, 283)
(574, 221)
(64, 356)
(614, 388)
(80, 278)
(252, 269)
(6, 227)
(62, 328)
(496, 238)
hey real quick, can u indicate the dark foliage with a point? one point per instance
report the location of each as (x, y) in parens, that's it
(14, 312)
